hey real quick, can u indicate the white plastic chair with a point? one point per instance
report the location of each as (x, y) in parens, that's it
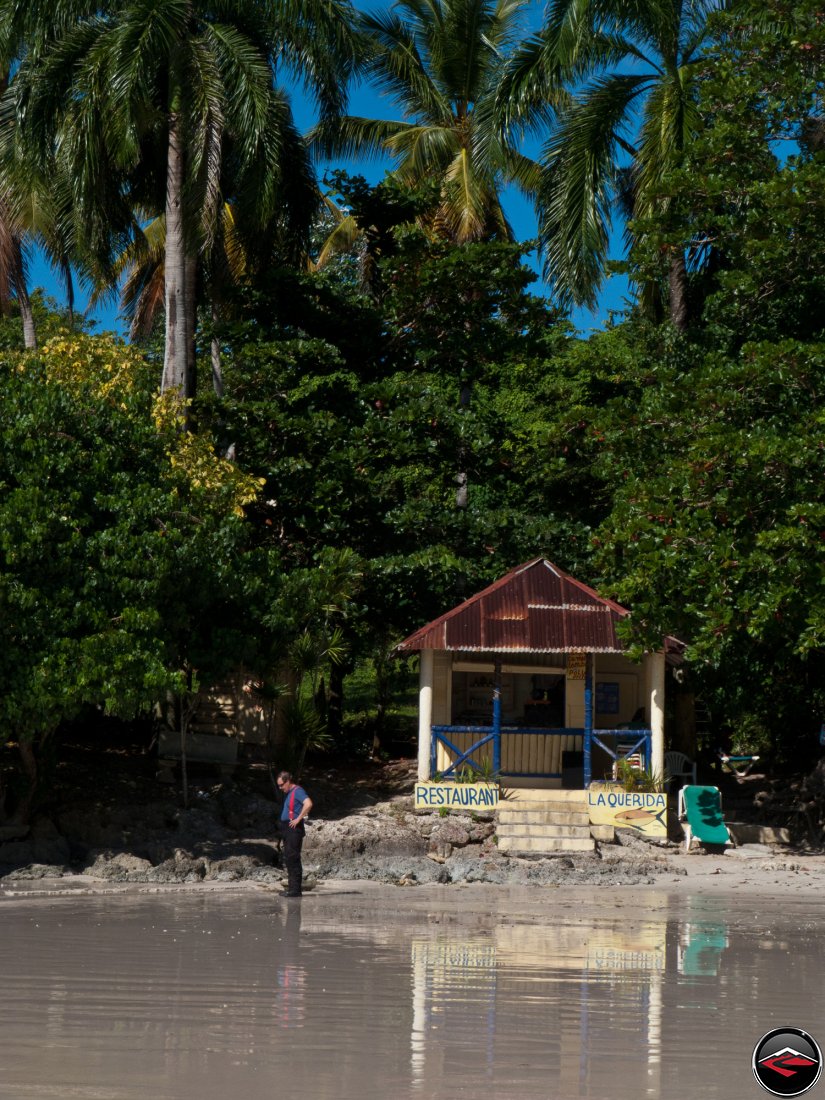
(679, 766)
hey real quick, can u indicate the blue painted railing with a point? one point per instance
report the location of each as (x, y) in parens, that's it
(440, 736)
(632, 741)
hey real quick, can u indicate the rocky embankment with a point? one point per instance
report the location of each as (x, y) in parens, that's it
(136, 831)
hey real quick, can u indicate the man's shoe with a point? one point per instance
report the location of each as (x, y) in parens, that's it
(290, 893)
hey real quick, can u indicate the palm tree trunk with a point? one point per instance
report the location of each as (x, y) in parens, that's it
(677, 280)
(23, 301)
(215, 350)
(177, 368)
(191, 298)
(462, 491)
(27, 317)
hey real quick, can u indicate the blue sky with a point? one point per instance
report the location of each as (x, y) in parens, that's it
(365, 100)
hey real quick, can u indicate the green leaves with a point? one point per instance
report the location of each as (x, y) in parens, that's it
(598, 69)
(441, 62)
(716, 532)
(108, 583)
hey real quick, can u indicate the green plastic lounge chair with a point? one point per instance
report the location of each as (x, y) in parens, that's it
(700, 815)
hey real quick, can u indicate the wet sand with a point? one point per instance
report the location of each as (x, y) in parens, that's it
(363, 991)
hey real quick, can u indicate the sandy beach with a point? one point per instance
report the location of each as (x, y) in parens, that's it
(364, 991)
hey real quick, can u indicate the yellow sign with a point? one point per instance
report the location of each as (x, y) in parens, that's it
(643, 812)
(576, 666)
(456, 796)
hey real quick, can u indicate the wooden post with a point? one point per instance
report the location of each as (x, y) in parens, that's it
(425, 712)
(497, 719)
(588, 719)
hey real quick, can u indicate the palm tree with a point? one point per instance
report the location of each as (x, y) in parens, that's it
(441, 62)
(29, 201)
(242, 244)
(159, 105)
(616, 79)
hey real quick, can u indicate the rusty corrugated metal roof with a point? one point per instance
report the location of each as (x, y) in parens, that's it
(536, 608)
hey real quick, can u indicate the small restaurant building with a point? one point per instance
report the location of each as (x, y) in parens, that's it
(528, 681)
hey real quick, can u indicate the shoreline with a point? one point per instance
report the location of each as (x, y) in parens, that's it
(750, 873)
(136, 836)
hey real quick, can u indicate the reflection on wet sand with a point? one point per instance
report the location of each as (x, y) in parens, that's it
(544, 978)
(375, 996)
(291, 977)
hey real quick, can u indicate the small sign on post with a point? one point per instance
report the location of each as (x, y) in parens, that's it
(576, 666)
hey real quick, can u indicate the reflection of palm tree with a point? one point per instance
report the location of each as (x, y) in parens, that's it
(441, 61)
(622, 60)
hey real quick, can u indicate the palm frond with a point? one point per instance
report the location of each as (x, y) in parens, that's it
(245, 83)
(341, 240)
(575, 195)
(204, 99)
(351, 135)
(318, 41)
(466, 212)
(401, 70)
(669, 121)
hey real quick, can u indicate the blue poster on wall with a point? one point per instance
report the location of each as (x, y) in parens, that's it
(607, 698)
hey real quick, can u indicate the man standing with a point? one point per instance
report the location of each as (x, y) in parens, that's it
(297, 805)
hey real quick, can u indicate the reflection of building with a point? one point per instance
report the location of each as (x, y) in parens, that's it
(529, 679)
(572, 989)
(443, 971)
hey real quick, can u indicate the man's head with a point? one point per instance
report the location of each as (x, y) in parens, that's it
(284, 781)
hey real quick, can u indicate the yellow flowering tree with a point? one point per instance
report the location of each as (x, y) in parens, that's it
(125, 572)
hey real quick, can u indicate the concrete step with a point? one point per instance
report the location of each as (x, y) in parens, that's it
(553, 806)
(540, 794)
(543, 817)
(748, 833)
(545, 846)
(533, 821)
(547, 832)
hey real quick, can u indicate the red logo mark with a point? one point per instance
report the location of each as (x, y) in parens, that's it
(787, 1062)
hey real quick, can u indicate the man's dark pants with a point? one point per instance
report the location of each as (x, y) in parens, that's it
(293, 840)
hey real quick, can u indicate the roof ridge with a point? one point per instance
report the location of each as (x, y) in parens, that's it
(430, 630)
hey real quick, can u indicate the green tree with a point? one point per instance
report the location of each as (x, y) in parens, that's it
(618, 81)
(747, 202)
(441, 62)
(715, 461)
(174, 98)
(350, 409)
(121, 545)
(717, 530)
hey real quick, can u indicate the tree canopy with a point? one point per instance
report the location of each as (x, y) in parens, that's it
(401, 427)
